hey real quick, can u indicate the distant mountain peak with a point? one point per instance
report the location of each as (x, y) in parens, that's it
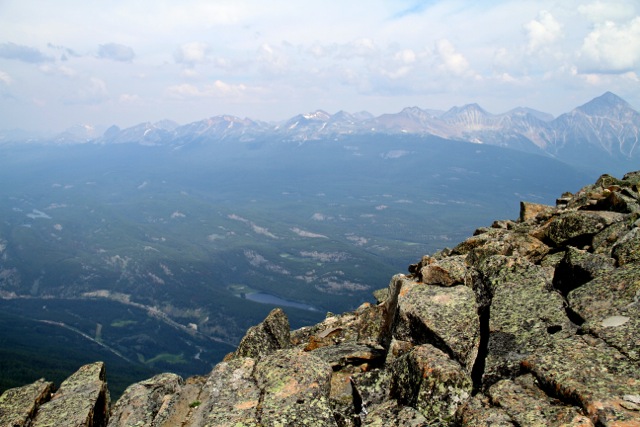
(317, 115)
(465, 109)
(604, 105)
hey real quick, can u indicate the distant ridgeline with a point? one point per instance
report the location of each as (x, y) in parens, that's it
(531, 322)
(602, 134)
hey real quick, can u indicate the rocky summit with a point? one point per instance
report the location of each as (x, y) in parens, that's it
(530, 322)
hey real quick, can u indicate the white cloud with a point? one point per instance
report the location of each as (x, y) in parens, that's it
(217, 89)
(407, 56)
(600, 11)
(128, 98)
(452, 61)
(192, 53)
(94, 91)
(542, 31)
(60, 70)
(363, 47)
(184, 90)
(612, 47)
(272, 58)
(5, 78)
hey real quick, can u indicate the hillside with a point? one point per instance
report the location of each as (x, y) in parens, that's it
(528, 322)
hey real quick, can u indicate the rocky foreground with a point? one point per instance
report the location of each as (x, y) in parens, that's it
(534, 322)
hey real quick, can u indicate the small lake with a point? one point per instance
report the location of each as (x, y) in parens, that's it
(265, 298)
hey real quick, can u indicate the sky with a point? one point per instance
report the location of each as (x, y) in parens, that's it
(65, 63)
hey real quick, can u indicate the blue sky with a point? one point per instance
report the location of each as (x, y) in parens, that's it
(64, 62)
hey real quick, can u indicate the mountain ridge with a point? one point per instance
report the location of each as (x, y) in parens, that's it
(603, 132)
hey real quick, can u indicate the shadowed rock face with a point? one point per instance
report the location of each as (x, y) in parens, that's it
(534, 322)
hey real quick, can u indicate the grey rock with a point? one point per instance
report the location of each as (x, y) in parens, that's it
(295, 389)
(586, 372)
(230, 396)
(444, 317)
(82, 400)
(141, 402)
(577, 228)
(525, 314)
(528, 405)
(627, 249)
(478, 411)
(610, 295)
(390, 413)
(428, 380)
(270, 335)
(19, 405)
(578, 267)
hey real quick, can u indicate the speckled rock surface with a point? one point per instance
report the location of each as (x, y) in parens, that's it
(295, 390)
(18, 405)
(584, 371)
(428, 380)
(272, 334)
(610, 306)
(443, 316)
(517, 329)
(82, 400)
(141, 402)
(229, 397)
(534, 322)
(527, 405)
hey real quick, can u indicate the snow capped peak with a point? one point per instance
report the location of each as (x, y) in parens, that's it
(317, 115)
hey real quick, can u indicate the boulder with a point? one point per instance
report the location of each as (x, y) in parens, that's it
(141, 402)
(445, 317)
(270, 335)
(578, 267)
(230, 397)
(524, 313)
(527, 405)
(530, 211)
(445, 272)
(82, 400)
(577, 228)
(610, 306)
(19, 405)
(627, 249)
(295, 387)
(604, 240)
(427, 379)
(390, 413)
(478, 411)
(584, 371)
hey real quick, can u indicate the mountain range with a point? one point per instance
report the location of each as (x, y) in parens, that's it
(599, 135)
